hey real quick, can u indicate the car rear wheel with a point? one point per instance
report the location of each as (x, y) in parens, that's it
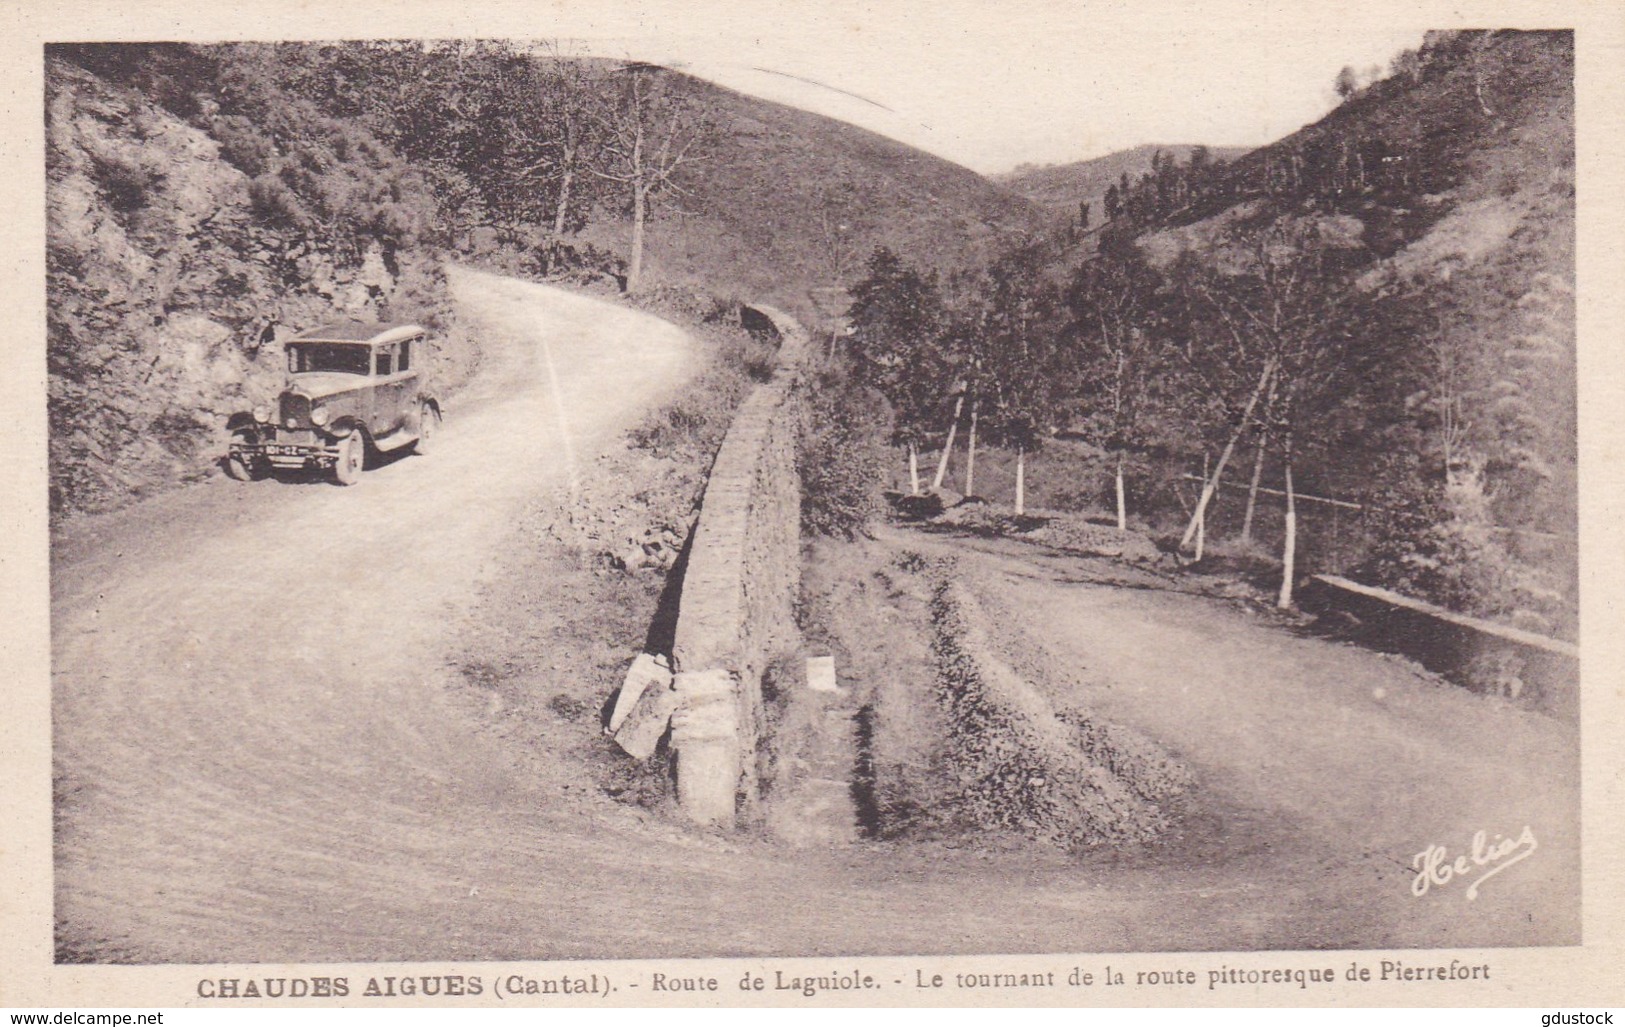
(428, 424)
(352, 454)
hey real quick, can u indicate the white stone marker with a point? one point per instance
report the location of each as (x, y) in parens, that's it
(821, 674)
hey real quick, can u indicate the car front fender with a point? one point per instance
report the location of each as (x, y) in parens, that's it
(344, 426)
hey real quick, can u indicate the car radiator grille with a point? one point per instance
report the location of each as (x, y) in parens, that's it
(295, 412)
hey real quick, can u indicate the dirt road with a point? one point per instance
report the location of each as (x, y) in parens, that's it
(250, 735)
(1322, 769)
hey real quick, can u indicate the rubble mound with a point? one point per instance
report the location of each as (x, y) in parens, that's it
(1062, 531)
(1069, 780)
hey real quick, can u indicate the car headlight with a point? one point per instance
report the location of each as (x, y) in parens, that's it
(319, 415)
(262, 414)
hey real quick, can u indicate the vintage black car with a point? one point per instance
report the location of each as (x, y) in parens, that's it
(350, 388)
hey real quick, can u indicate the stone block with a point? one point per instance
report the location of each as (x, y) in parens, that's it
(706, 706)
(707, 779)
(705, 733)
(648, 669)
(644, 725)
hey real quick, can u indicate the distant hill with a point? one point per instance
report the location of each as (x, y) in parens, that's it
(1059, 188)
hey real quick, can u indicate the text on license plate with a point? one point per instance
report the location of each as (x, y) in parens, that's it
(285, 450)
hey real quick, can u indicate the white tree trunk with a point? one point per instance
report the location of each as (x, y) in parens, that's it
(1212, 483)
(948, 447)
(1289, 548)
(1122, 502)
(634, 268)
(1252, 492)
(1201, 518)
(1021, 481)
(559, 214)
(913, 470)
(1201, 535)
(970, 455)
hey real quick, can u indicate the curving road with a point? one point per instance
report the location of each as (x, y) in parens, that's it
(250, 736)
(258, 758)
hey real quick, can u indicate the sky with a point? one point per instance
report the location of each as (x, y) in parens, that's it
(991, 86)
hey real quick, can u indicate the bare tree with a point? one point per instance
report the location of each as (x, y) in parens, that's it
(652, 129)
(1288, 305)
(553, 134)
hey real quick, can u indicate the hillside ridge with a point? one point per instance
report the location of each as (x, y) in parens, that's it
(1060, 188)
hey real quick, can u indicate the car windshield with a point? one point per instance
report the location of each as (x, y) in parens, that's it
(328, 356)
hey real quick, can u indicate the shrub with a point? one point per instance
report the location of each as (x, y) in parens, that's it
(1020, 766)
(842, 456)
(577, 262)
(274, 203)
(242, 144)
(1131, 757)
(128, 184)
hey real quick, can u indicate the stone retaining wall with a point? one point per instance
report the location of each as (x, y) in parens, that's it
(736, 612)
(1479, 654)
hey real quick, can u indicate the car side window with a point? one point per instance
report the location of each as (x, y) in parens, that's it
(383, 365)
(406, 356)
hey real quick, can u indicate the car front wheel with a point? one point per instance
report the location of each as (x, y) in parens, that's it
(352, 454)
(237, 467)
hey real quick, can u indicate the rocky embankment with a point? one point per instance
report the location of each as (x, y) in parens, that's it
(168, 290)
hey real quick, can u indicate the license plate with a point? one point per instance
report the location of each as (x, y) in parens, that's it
(285, 450)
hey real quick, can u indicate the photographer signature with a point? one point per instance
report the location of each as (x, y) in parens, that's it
(1434, 867)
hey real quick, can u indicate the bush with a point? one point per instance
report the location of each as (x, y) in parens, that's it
(243, 145)
(274, 203)
(578, 262)
(1131, 757)
(128, 184)
(842, 456)
(1021, 767)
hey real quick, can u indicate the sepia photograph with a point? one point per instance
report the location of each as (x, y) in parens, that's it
(1024, 483)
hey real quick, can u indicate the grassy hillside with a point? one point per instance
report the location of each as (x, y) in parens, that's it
(1450, 186)
(1378, 308)
(1465, 215)
(788, 201)
(1059, 188)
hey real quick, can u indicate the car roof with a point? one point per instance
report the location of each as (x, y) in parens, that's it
(374, 332)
